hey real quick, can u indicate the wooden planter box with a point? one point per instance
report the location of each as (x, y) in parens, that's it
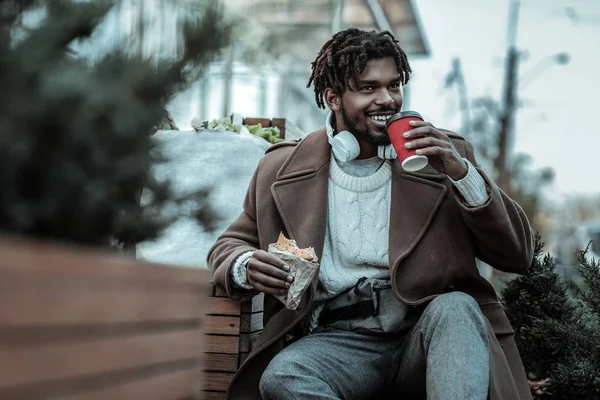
(82, 325)
(231, 331)
(266, 122)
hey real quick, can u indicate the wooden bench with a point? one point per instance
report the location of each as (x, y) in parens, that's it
(83, 325)
(231, 330)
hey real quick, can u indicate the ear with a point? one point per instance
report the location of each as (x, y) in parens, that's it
(332, 99)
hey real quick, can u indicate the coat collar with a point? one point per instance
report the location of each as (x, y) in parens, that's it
(310, 155)
(300, 193)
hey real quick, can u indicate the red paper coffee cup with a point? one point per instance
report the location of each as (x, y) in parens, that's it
(395, 127)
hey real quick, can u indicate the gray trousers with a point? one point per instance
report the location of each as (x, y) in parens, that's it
(444, 356)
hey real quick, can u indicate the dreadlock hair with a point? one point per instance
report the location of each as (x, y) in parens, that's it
(343, 58)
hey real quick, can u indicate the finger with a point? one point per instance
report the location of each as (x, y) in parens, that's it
(418, 123)
(266, 280)
(267, 289)
(269, 258)
(268, 269)
(435, 151)
(424, 131)
(426, 142)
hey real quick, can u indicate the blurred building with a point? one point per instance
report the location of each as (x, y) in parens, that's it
(265, 72)
(287, 35)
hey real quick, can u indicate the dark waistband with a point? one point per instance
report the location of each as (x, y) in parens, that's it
(362, 309)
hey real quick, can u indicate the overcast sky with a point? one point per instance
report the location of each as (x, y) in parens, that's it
(559, 126)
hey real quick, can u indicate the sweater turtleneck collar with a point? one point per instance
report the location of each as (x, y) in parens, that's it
(355, 183)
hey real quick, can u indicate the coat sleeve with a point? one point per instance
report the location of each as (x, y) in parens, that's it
(501, 231)
(241, 236)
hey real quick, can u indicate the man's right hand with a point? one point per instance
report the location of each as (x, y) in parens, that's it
(268, 274)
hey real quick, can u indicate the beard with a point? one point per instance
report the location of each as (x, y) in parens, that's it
(352, 122)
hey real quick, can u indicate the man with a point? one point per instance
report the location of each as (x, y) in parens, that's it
(398, 308)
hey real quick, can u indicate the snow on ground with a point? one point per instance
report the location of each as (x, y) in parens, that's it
(226, 160)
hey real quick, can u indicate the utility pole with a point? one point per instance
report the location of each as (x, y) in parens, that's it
(457, 77)
(337, 16)
(227, 81)
(504, 140)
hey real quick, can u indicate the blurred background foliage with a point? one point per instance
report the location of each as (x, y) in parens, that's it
(75, 145)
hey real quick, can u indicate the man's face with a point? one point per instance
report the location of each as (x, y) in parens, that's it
(377, 95)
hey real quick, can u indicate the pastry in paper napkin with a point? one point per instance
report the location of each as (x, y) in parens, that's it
(303, 266)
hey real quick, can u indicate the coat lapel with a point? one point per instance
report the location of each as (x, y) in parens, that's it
(416, 198)
(300, 191)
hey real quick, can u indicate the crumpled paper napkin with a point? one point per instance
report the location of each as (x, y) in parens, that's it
(303, 272)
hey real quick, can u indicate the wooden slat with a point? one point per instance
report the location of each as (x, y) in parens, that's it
(253, 121)
(222, 344)
(60, 279)
(24, 255)
(225, 325)
(47, 335)
(37, 305)
(278, 122)
(222, 306)
(217, 380)
(220, 362)
(30, 365)
(250, 323)
(58, 389)
(172, 386)
(214, 395)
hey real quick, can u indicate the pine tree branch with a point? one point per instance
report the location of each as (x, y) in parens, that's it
(590, 271)
(558, 339)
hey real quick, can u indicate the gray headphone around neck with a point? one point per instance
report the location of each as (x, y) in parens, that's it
(346, 148)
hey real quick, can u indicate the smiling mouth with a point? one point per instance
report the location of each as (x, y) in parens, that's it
(380, 118)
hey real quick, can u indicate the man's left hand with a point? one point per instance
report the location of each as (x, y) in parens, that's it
(441, 153)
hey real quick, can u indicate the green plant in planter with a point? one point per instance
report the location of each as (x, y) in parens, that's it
(558, 336)
(270, 133)
(75, 147)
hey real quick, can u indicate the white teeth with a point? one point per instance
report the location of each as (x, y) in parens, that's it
(379, 118)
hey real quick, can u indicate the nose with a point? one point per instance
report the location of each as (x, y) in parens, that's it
(384, 98)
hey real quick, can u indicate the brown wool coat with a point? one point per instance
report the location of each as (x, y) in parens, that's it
(433, 242)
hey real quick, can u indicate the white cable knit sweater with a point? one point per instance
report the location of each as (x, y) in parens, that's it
(356, 237)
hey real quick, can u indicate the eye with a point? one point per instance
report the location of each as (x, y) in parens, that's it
(367, 88)
(395, 85)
